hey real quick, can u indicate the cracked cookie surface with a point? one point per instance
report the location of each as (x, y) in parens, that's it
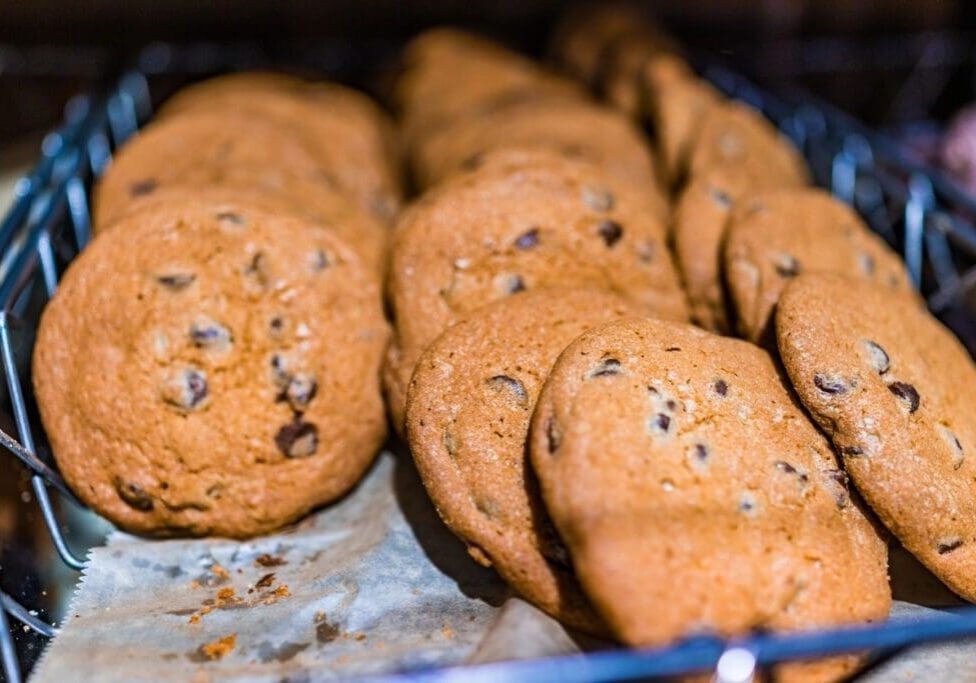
(215, 372)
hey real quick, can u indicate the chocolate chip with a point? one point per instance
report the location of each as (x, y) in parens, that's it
(511, 384)
(176, 281)
(866, 261)
(748, 504)
(907, 393)
(276, 326)
(721, 387)
(528, 239)
(514, 284)
(320, 260)
(835, 481)
(786, 265)
(830, 384)
(143, 187)
(720, 198)
(597, 198)
(280, 376)
(258, 268)
(877, 356)
(661, 422)
(134, 495)
(230, 217)
(957, 453)
(949, 545)
(300, 391)
(672, 349)
(610, 231)
(699, 454)
(185, 389)
(297, 439)
(554, 434)
(607, 367)
(787, 468)
(852, 451)
(207, 333)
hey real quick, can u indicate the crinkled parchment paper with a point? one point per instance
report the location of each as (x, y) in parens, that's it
(372, 585)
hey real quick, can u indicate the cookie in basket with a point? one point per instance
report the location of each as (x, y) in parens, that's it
(447, 74)
(468, 411)
(773, 237)
(694, 495)
(580, 130)
(215, 372)
(895, 392)
(734, 134)
(524, 220)
(347, 133)
(201, 149)
(305, 199)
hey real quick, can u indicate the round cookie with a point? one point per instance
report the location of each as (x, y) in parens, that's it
(576, 129)
(524, 220)
(895, 392)
(311, 202)
(468, 411)
(214, 373)
(346, 133)
(204, 149)
(447, 74)
(677, 102)
(694, 495)
(775, 236)
(734, 134)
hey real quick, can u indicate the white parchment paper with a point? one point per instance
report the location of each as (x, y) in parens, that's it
(372, 585)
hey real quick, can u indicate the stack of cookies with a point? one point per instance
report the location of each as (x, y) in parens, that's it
(210, 363)
(565, 295)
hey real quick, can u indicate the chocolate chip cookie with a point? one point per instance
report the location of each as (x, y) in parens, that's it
(523, 220)
(349, 136)
(215, 372)
(575, 129)
(201, 149)
(468, 411)
(734, 134)
(775, 236)
(692, 492)
(895, 392)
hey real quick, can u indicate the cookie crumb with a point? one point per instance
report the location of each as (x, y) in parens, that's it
(219, 648)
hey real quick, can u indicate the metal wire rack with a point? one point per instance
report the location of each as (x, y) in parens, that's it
(927, 218)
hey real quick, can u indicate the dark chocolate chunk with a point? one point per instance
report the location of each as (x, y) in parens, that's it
(607, 367)
(185, 389)
(661, 422)
(701, 452)
(176, 281)
(597, 198)
(134, 495)
(514, 284)
(297, 439)
(320, 260)
(949, 545)
(276, 325)
(143, 187)
(511, 384)
(786, 265)
(721, 387)
(830, 384)
(207, 333)
(835, 481)
(907, 393)
(528, 239)
(610, 231)
(877, 356)
(787, 468)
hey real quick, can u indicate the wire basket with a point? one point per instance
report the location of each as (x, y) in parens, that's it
(919, 212)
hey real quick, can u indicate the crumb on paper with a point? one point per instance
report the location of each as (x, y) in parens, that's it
(226, 593)
(282, 591)
(219, 571)
(267, 560)
(219, 648)
(194, 619)
(447, 632)
(265, 581)
(195, 584)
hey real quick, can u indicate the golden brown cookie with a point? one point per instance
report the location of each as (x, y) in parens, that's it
(215, 372)
(202, 149)
(775, 236)
(523, 220)
(692, 492)
(349, 136)
(309, 201)
(895, 392)
(734, 134)
(575, 129)
(448, 73)
(468, 411)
